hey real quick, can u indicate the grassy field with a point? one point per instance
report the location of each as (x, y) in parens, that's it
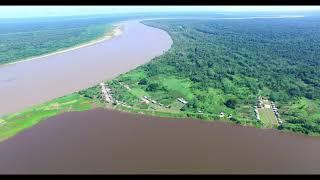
(268, 118)
(14, 123)
(178, 87)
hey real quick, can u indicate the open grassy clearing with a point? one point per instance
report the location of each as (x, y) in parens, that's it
(16, 122)
(178, 87)
(268, 118)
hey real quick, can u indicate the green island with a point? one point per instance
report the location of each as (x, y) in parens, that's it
(253, 72)
(22, 40)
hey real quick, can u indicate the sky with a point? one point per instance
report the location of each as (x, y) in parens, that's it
(54, 11)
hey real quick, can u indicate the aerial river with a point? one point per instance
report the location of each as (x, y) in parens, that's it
(33, 82)
(109, 141)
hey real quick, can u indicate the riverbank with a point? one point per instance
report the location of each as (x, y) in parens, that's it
(16, 122)
(54, 74)
(179, 74)
(97, 140)
(115, 31)
(64, 73)
(107, 141)
(160, 86)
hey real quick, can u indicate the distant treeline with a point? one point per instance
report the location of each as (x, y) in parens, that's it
(24, 39)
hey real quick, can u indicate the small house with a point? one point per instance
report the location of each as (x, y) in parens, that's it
(182, 100)
(145, 100)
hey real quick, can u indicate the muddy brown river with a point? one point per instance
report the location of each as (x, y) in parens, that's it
(107, 141)
(33, 82)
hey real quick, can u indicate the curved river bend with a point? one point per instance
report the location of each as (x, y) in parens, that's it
(106, 141)
(33, 82)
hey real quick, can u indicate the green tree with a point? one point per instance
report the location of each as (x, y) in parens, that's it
(231, 103)
(152, 87)
(143, 81)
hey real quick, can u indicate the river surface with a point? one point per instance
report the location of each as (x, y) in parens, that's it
(108, 141)
(33, 82)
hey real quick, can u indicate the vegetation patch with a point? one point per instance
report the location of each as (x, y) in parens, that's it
(268, 118)
(16, 122)
(21, 40)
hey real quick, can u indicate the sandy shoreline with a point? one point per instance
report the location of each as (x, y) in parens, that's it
(116, 31)
(57, 75)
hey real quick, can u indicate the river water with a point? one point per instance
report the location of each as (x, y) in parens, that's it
(108, 141)
(33, 82)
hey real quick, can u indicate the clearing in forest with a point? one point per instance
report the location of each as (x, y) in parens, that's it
(267, 116)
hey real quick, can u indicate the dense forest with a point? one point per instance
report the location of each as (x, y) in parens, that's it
(225, 65)
(24, 39)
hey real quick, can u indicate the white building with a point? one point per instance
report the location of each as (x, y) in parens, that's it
(182, 100)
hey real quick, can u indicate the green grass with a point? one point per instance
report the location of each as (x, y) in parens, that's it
(175, 114)
(17, 122)
(2, 121)
(178, 87)
(138, 92)
(268, 117)
(176, 106)
(302, 108)
(133, 77)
